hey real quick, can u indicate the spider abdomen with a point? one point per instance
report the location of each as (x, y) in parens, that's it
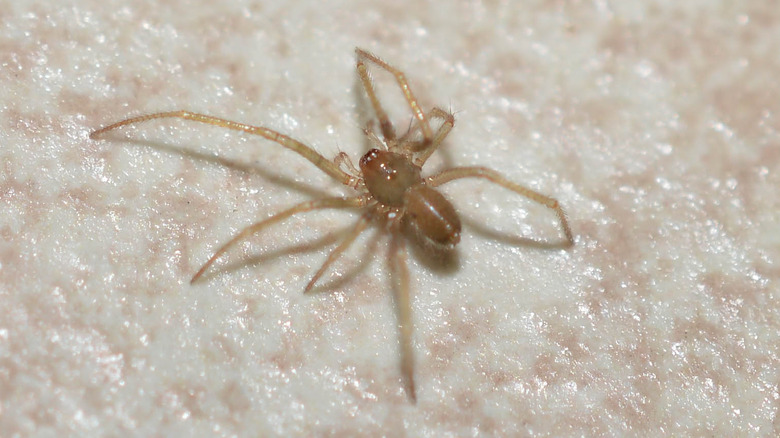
(432, 216)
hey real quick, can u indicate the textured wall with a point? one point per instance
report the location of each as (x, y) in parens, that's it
(654, 123)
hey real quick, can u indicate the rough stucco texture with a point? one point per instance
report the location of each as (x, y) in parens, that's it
(654, 123)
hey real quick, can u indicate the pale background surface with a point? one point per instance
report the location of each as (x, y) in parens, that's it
(654, 123)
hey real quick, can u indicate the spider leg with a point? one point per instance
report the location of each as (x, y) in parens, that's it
(438, 138)
(387, 128)
(337, 251)
(496, 178)
(376, 141)
(310, 154)
(400, 274)
(406, 144)
(357, 201)
(411, 129)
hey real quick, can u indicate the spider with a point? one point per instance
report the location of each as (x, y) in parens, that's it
(391, 191)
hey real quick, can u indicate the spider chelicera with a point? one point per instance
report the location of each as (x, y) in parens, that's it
(391, 190)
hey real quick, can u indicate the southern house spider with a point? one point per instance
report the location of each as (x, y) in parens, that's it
(391, 190)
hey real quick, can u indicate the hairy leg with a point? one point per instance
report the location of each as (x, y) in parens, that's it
(400, 274)
(310, 154)
(387, 128)
(494, 177)
(337, 251)
(447, 124)
(354, 202)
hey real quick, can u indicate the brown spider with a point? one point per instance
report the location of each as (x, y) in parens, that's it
(391, 190)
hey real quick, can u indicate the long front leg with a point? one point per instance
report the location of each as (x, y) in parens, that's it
(494, 177)
(400, 274)
(384, 121)
(357, 201)
(310, 154)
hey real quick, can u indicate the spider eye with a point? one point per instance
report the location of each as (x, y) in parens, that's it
(369, 157)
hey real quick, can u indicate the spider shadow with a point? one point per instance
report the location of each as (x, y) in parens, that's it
(253, 169)
(317, 244)
(513, 240)
(257, 260)
(349, 275)
(433, 258)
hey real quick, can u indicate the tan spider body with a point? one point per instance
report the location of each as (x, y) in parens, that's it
(390, 188)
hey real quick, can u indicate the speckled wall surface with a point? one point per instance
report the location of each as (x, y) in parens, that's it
(654, 123)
